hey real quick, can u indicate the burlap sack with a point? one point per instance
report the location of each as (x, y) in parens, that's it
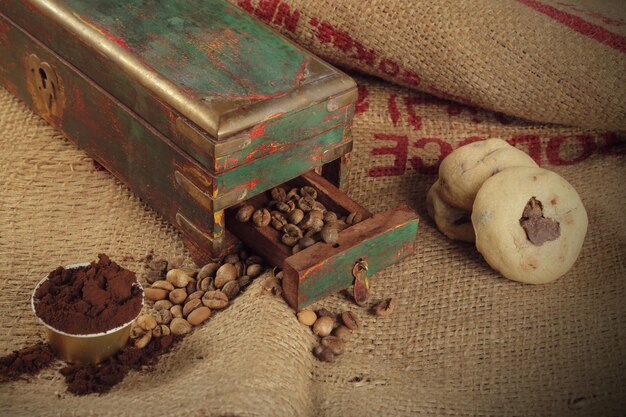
(463, 340)
(544, 60)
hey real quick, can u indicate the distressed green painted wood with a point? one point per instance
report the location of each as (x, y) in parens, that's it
(214, 54)
(107, 131)
(381, 240)
(279, 167)
(209, 48)
(273, 136)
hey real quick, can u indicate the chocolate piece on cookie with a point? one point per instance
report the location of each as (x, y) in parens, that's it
(463, 172)
(453, 222)
(530, 224)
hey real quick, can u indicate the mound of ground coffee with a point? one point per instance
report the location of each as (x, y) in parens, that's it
(90, 299)
(88, 379)
(29, 360)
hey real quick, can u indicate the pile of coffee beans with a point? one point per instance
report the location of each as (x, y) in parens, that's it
(181, 298)
(299, 216)
(333, 331)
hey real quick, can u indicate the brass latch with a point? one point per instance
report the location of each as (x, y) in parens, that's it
(361, 283)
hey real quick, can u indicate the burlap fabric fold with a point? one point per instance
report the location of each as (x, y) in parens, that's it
(544, 60)
(463, 340)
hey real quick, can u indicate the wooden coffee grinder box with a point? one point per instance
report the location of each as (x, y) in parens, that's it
(198, 107)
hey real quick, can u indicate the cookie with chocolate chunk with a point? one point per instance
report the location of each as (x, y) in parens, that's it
(453, 222)
(530, 224)
(463, 172)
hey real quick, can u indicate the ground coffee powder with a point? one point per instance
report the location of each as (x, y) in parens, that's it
(29, 360)
(90, 299)
(88, 379)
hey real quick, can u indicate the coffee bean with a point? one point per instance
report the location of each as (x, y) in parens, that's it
(159, 266)
(199, 315)
(163, 305)
(289, 240)
(178, 278)
(279, 194)
(156, 332)
(278, 220)
(335, 344)
(244, 281)
(176, 262)
(146, 322)
(307, 317)
(323, 354)
(191, 306)
(164, 285)
(351, 320)
(323, 326)
(155, 294)
(136, 332)
(354, 218)
(385, 308)
(319, 207)
(287, 207)
(215, 300)
(292, 235)
(163, 329)
(180, 326)
(306, 203)
(296, 216)
(306, 241)
(330, 217)
(153, 276)
(261, 217)
(208, 270)
(329, 234)
(343, 333)
(323, 312)
(163, 317)
(293, 194)
(231, 289)
(232, 258)
(195, 295)
(254, 259)
(227, 272)
(177, 311)
(317, 214)
(192, 272)
(254, 270)
(191, 286)
(245, 213)
(178, 296)
(272, 285)
(308, 191)
(317, 225)
(205, 284)
(143, 341)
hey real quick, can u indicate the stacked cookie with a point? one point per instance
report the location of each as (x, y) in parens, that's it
(528, 223)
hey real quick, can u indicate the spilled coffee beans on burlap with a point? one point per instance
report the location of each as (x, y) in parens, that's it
(181, 298)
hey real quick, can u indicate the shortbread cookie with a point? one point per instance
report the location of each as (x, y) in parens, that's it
(530, 224)
(451, 221)
(462, 173)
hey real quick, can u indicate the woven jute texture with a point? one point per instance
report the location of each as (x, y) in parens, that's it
(544, 60)
(463, 340)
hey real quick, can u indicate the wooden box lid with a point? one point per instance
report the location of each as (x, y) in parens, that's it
(200, 71)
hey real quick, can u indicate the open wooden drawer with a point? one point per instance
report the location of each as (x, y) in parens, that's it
(379, 239)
